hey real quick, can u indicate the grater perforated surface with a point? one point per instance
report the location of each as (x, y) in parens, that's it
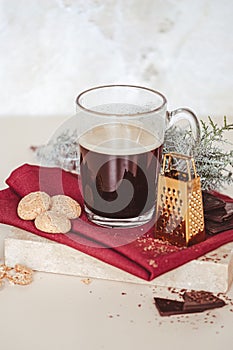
(179, 214)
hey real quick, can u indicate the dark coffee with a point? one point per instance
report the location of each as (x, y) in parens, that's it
(119, 167)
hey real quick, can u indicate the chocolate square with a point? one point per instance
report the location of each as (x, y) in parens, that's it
(168, 307)
(201, 300)
(221, 214)
(211, 202)
(212, 228)
(194, 301)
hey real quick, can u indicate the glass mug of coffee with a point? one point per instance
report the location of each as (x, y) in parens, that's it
(121, 135)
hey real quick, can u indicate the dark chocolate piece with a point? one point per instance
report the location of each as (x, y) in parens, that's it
(211, 202)
(229, 211)
(168, 307)
(215, 215)
(195, 301)
(212, 228)
(201, 299)
(221, 214)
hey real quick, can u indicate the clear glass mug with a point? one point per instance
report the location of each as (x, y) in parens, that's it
(120, 136)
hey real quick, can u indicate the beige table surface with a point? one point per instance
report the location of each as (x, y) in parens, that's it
(63, 313)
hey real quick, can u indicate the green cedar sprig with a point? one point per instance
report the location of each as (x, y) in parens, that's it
(213, 159)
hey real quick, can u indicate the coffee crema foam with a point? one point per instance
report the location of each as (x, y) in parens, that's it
(119, 139)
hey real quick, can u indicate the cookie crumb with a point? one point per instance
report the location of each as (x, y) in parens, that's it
(86, 281)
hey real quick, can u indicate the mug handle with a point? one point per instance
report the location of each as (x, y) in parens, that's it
(185, 114)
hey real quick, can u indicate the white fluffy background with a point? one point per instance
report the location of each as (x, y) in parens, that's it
(50, 50)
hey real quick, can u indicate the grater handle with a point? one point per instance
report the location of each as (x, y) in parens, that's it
(167, 160)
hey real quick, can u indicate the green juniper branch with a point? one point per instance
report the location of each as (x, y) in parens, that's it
(214, 164)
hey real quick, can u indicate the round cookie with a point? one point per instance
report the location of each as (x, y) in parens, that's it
(66, 205)
(33, 204)
(52, 222)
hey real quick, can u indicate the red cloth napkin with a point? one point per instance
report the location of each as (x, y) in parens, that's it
(133, 250)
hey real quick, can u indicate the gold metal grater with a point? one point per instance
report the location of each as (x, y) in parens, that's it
(179, 208)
